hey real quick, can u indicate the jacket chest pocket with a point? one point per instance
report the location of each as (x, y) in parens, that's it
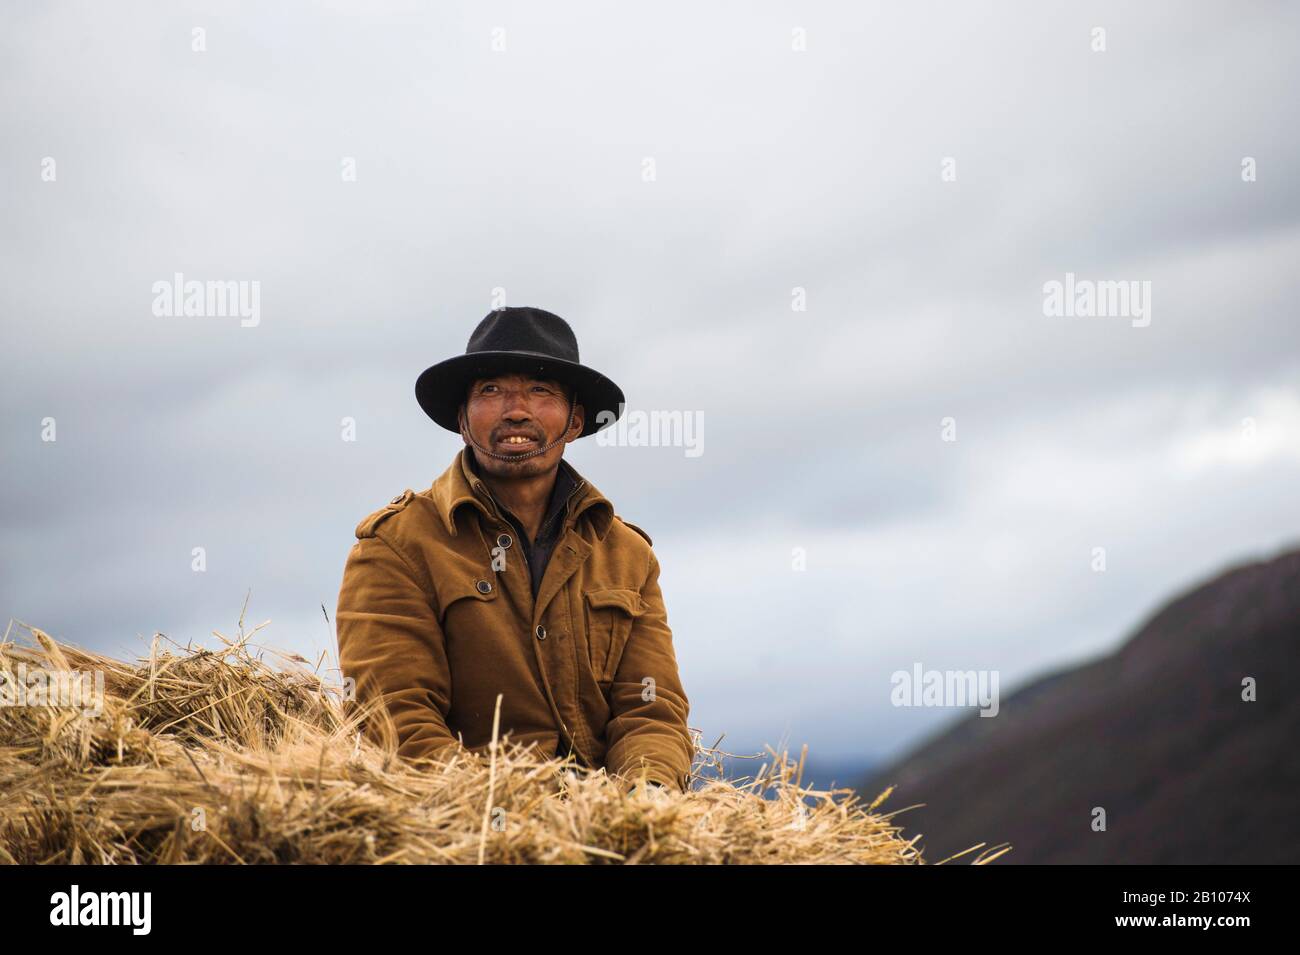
(610, 615)
(466, 604)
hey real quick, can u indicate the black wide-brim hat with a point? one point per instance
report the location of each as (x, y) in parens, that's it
(519, 339)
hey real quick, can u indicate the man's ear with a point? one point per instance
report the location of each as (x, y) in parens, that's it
(579, 419)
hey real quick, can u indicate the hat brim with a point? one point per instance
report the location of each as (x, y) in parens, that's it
(440, 389)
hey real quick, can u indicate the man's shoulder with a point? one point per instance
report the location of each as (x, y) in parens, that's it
(408, 508)
(626, 523)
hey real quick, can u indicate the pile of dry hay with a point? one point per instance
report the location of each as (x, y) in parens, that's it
(208, 756)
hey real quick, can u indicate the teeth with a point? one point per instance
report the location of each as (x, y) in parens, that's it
(517, 439)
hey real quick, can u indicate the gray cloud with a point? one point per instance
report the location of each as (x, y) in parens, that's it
(776, 170)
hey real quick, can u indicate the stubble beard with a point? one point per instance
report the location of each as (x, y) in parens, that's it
(510, 470)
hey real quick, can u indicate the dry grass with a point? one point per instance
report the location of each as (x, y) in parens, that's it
(204, 756)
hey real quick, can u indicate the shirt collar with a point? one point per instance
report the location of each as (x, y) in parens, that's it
(460, 484)
(566, 482)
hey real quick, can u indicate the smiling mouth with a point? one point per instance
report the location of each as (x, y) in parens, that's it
(516, 443)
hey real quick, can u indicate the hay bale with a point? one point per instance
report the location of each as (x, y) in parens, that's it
(203, 756)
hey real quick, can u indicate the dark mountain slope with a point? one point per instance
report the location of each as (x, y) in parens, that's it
(1156, 733)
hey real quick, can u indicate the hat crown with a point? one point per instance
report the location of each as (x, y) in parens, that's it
(533, 331)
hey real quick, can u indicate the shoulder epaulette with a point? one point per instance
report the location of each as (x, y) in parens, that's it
(638, 530)
(367, 527)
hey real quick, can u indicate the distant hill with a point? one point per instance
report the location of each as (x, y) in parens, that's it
(820, 773)
(1156, 733)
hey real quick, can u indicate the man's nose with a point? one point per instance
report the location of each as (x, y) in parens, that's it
(516, 405)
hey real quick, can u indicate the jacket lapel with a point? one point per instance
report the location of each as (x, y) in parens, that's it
(459, 485)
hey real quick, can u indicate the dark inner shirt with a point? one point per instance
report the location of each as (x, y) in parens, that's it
(538, 553)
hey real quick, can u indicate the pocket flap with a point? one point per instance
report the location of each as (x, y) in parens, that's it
(629, 601)
(466, 588)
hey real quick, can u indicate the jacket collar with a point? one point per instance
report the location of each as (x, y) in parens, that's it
(459, 485)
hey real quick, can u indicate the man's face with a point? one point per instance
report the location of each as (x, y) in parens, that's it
(516, 413)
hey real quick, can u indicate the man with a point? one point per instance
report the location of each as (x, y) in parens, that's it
(512, 575)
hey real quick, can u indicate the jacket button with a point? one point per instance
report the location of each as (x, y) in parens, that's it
(541, 632)
(484, 587)
(504, 540)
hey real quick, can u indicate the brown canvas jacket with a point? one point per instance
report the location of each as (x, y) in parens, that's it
(427, 624)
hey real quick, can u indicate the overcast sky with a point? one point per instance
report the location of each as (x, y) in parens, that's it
(128, 156)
